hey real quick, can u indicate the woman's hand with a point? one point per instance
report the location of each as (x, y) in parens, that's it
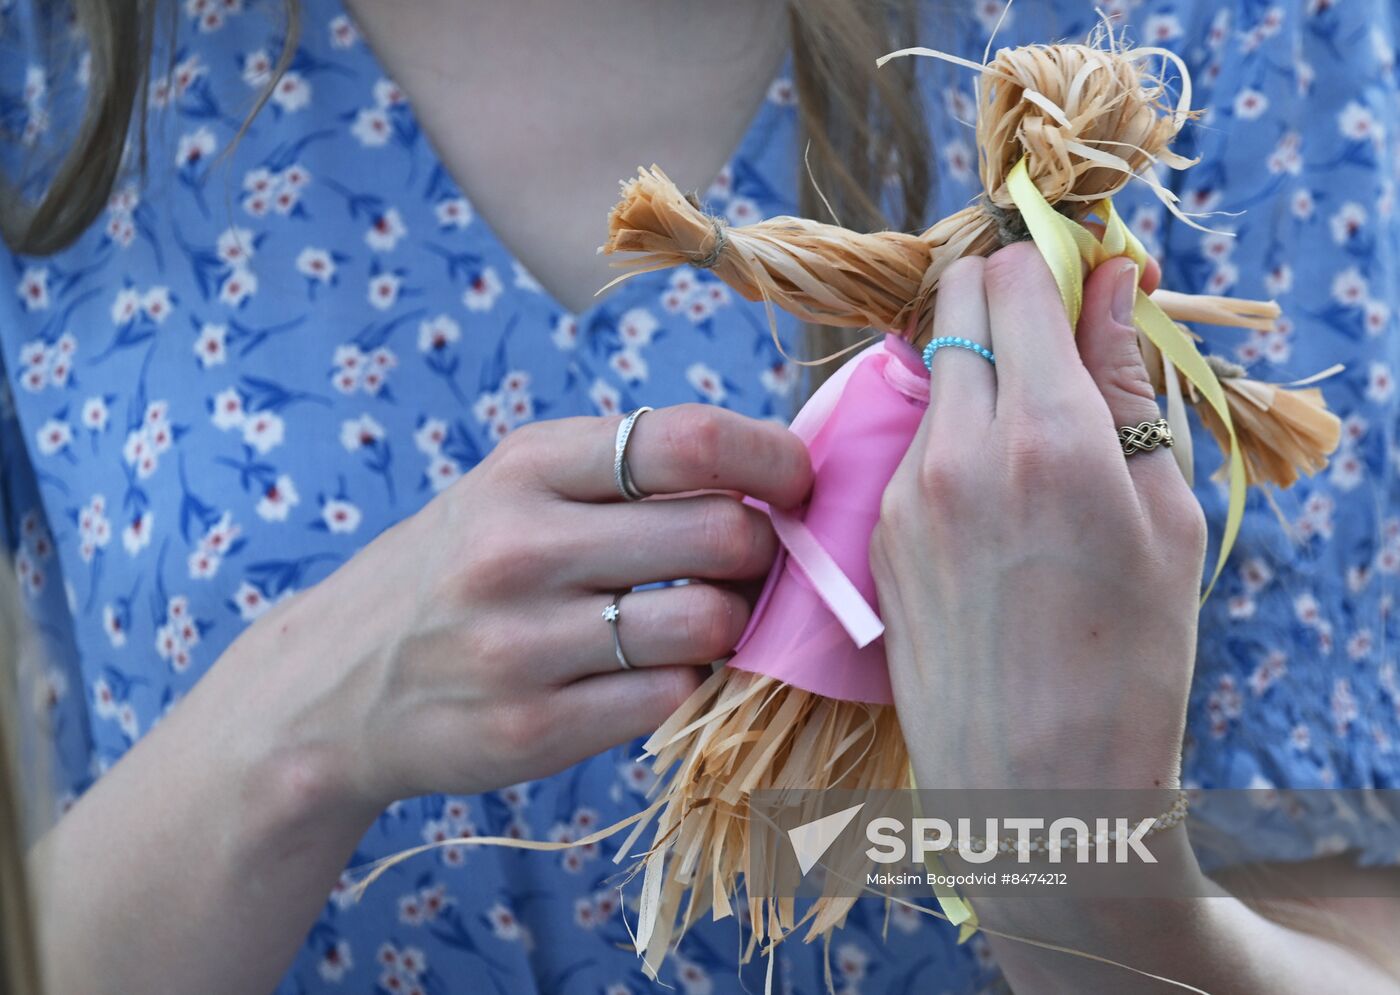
(1039, 589)
(462, 650)
(465, 648)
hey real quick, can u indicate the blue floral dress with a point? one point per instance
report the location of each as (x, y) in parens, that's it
(249, 367)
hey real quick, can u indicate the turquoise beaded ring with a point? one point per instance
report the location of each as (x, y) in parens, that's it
(959, 342)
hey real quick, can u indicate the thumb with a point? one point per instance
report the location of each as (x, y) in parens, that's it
(1109, 350)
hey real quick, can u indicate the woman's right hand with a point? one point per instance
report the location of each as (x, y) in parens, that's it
(464, 648)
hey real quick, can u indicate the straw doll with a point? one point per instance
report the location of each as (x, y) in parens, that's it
(805, 702)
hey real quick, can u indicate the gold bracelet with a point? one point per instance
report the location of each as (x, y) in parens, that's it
(1173, 816)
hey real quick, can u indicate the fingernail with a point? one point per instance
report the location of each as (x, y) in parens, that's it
(1124, 294)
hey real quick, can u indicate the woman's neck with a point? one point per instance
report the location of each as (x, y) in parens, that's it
(538, 107)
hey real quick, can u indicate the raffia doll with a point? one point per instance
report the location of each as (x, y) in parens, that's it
(805, 702)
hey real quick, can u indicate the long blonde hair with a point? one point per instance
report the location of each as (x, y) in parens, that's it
(19, 954)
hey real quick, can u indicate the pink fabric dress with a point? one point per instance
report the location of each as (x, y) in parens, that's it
(815, 625)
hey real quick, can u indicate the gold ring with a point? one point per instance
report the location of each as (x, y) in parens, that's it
(1145, 435)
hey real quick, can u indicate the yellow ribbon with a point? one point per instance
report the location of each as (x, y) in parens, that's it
(1065, 244)
(954, 906)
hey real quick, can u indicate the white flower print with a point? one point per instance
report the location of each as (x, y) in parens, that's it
(851, 961)
(1345, 709)
(694, 979)
(438, 333)
(430, 436)
(94, 528)
(383, 290)
(278, 500)
(53, 436)
(960, 160)
(1279, 280)
(210, 346)
(95, 415)
(1218, 245)
(263, 430)
(386, 230)
(1287, 156)
(342, 32)
(357, 433)
(1346, 471)
(454, 212)
(989, 14)
(1380, 383)
(524, 279)
(387, 93)
(316, 264)
(782, 93)
(127, 721)
(47, 365)
(483, 290)
(637, 327)
(1349, 287)
(503, 922)
(34, 353)
(565, 332)
(335, 961)
(741, 211)
(145, 444)
(137, 534)
(707, 381)
(257, 68)
(1347, 221)
(781, 378)
(234, 246)
(340, 516)
(1357, 123)
(116, 635)
(156, 303)
(489, 407)
(1250, 104)
(443, 471)
(33, 288)
(629, 364)
(218, 540)
(381, 361)
(605, 397)
(238, 286)
(1268, 672)
(194, 147)
(292, 91)
(1376, 317)
(723, 184)
(251, 602)
(227, 410)
(350, 357)
(372, 127)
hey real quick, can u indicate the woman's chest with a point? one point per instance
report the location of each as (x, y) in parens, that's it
(255, 363)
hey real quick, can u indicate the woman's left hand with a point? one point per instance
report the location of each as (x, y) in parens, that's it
(1039, 590)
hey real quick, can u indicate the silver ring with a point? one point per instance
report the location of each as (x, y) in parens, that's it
(621, 475)
(611, 614)
(1145, 436)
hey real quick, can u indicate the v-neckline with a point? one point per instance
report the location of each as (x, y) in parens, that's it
(485, 232)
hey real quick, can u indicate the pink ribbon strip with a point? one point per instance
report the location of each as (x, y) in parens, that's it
(855, 614)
